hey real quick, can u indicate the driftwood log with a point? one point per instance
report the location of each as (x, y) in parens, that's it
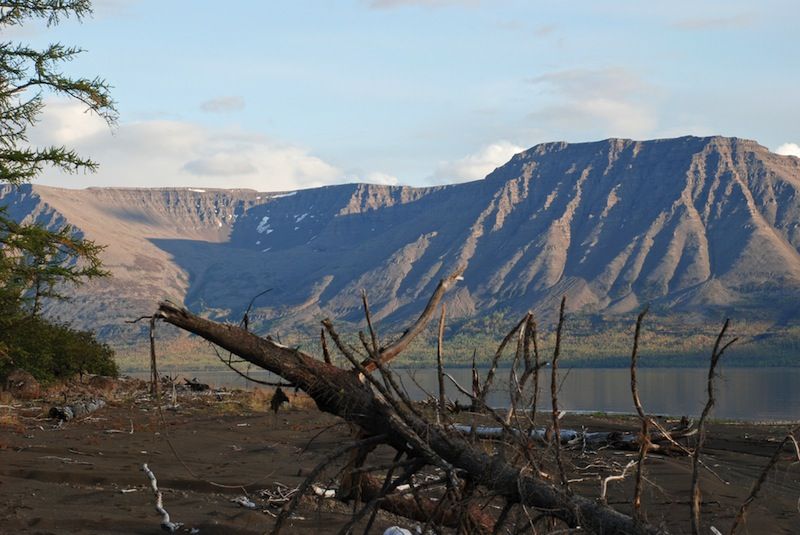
(195, 385)
(621, 440)
(76, 410)
(351, 395)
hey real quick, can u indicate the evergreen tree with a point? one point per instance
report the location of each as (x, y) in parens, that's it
(34, 261)
(26, 75)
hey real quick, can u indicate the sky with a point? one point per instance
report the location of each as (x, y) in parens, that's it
(278, 95)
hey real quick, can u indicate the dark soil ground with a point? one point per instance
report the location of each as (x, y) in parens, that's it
(85, 476)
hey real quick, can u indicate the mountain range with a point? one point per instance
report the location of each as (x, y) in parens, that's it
(706, 226)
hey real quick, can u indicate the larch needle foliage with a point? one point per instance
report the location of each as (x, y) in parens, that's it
(37, 262)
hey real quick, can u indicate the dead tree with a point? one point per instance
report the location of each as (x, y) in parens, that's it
(380, 409)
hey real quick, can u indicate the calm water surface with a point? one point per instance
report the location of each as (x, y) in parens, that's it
(742, 393)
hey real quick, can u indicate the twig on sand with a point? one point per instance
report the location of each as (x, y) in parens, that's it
(166, 523)
(619, 477)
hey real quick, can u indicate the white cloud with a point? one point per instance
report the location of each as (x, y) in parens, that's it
(789, 149)
(382, 178)
(609, 102)
(612, 117)
(477, 165)
(220, 164)
(160, 153)
(605, 82)
(64, 123)
(223, 104)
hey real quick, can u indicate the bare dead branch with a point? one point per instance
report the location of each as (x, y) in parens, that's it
(366, 344)
(166, 523)
(756, 488)
(487, 384)
(341, 392)
(385, 489)
(389, 378)
(398, 346)
(401, 421)
(326, 355)
(227, 362)
(137, 320)
(536, 365)
(516, 384)
(437, 512)
(619, 477)
(246, 316)
(346, 351)
(644, 436)
(439, 366)
(716, 354)
(554, 398)
(476, 394)
(476, 382)
(374, 500)
(505, 428)
(289, 508)
(501, 520)
(153, 368)
(373, 335)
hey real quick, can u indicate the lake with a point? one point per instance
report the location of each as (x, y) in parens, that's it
(760, 394)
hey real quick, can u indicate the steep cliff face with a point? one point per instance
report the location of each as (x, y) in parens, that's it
(687, 224)
(128, 221)
(708, 221)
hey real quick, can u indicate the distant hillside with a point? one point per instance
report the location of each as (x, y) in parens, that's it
(702, 227)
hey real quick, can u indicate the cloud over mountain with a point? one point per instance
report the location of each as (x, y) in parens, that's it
(476, 165)
(789, 149)
(156, 153)
(610, 101)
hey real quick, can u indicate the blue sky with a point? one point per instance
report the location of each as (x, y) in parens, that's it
(278, 95)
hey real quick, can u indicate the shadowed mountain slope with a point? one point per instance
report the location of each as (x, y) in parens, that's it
(700, 225)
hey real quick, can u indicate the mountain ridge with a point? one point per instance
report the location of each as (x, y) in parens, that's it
(691, 225)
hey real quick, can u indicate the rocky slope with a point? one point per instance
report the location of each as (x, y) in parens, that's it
(704, 225)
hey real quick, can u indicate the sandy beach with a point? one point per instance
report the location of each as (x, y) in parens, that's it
(85, 475)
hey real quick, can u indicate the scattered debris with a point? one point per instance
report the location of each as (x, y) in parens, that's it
(279, 495)
(396, 530)
(323, 492)
(659, 441)
(245, 502)
(196, 386)
(65, 460)
(116, 431)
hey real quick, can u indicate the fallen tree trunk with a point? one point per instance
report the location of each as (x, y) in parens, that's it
(346, 394)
